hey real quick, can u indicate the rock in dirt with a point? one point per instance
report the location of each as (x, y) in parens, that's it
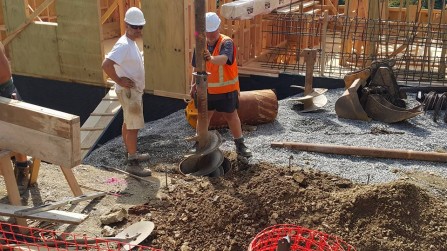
(115, 215)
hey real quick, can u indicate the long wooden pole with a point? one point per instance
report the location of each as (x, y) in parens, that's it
(310, 56)
(364, 151)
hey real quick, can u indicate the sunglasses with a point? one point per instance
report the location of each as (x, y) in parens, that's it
(136, 27)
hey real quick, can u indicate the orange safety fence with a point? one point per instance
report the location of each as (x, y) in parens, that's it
(14, 237)
(300, 238)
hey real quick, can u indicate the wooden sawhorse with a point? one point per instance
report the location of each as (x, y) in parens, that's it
(42, 133)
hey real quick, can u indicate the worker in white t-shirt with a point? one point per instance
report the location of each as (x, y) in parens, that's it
(124, 65)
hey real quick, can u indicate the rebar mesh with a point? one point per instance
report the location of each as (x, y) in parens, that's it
(347, 44)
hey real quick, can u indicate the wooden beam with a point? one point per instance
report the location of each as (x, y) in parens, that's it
(10, 182)
(102, 114)
(52, 215)
(57, 204)
(364, 151)
(71, 180)
(121, 4)
(34, 171)
(40, 132)
(31, 8)
(28, 21)
(93, 129)
(109, 11)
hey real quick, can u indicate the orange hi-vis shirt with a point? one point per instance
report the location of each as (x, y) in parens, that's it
(222, 78)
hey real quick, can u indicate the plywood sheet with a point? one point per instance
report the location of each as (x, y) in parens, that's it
(79, 40)
(164, 46)
(34, 51)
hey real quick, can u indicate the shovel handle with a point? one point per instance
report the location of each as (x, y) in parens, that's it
(87, 241)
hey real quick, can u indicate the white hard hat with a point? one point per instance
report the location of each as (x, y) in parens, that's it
(212, 22)
(134, 16)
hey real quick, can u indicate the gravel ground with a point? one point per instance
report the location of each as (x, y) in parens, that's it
(164, 139)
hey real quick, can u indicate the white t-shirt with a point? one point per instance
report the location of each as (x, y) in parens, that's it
(129, 62)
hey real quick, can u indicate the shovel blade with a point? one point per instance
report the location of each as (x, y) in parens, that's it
(142, 229)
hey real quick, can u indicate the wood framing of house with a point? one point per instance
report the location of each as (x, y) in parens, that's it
(68, 39)
(68, 45)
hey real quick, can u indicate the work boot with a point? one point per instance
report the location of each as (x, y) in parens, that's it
(241, 148)
(136, 169)
(22, 175)
(137, 157)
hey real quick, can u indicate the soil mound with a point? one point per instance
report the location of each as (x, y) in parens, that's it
(226, 213)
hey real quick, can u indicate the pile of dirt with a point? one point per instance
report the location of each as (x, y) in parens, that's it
(201, 213)
(226, 213)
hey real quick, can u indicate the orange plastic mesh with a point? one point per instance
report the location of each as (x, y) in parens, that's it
(14, 237)
(301, 239)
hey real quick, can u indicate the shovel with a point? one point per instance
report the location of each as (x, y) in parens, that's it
(142, 229)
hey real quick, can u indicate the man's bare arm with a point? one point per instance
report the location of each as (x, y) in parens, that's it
(109, 69)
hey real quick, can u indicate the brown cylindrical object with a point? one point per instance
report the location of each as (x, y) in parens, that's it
(255, 107)
(364, 151)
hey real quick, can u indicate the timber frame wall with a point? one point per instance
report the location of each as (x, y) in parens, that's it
(66, 40)
(68, 50)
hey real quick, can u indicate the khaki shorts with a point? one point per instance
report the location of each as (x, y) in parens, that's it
(132, 108)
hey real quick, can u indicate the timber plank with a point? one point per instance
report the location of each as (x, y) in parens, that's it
(52, 215)
(41, 145)
(57, 204)
(10, 183)
(101, 117)
(31, 116)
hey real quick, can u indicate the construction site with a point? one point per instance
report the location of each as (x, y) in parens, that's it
(343, 104)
